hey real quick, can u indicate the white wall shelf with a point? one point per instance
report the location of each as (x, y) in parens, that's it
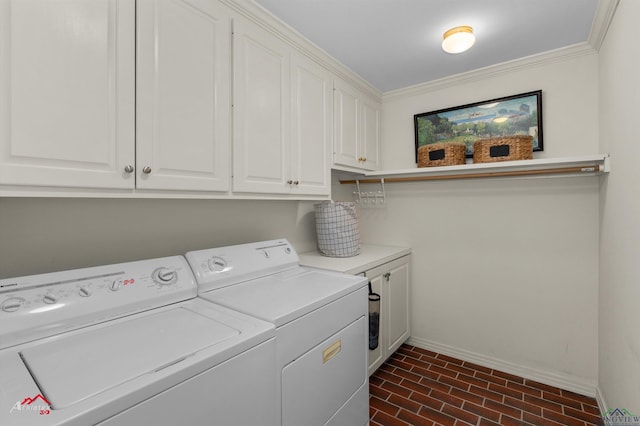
(569, 166)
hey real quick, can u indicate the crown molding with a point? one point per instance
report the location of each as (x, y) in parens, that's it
(260, 16)
(557, 55)
(601, 22)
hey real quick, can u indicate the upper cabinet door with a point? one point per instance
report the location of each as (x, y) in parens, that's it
(261, 99)
(346, 110)
(67, 93)
(183, 95)
(357, 128)
(370, 134)
(311, 127)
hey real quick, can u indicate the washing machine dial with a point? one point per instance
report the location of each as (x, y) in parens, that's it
(217, 264)
(50, 299)
(12, 304)
(164, 276)
(115, 285)
(84, 291)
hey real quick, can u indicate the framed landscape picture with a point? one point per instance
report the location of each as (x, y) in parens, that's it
(512, 115)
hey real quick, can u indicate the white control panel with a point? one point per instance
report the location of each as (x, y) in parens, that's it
(42, 305)
(224, 266)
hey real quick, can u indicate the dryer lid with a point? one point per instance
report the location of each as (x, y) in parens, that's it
(79, 366)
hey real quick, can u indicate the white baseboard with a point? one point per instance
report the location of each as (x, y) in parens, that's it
(601, 402)
(551, 378)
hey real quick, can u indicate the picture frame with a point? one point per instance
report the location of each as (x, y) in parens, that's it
(509, 115)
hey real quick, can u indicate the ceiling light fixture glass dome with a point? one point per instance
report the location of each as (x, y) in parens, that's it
(458, 39)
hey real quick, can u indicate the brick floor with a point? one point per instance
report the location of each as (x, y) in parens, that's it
(419, 387)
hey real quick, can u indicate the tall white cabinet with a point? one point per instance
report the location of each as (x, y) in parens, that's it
(67, 93)
(282, 116)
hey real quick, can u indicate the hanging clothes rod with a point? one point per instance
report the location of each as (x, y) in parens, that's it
(551, 171)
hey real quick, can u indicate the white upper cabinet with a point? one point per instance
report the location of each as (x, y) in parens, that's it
(67, 93)
(261, 64)
(183, 95)
(370, 133)
(311, 127)
(81, 106)
(168, 98)
(281, 116)
(356, 128)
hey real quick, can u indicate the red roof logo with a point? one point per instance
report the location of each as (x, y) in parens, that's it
(29, 401)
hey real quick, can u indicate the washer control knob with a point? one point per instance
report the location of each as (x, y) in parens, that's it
(115, 285)
(164, 276)
(217, 264)
(50, 299)
(84, 291)
(12, 304)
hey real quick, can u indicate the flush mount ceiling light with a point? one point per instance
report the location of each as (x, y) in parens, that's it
(458, 39)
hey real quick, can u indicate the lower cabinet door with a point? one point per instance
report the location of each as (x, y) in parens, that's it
(319, 383)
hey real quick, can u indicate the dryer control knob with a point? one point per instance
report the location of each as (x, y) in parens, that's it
(164, 276)
(12, 304)
(217, 264)
(50, 299)
(115, 285)
(84, 291)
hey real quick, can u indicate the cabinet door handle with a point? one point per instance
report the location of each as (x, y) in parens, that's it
(290, 182)
(295, 182)
(146, 170)
(128, 168)
(387, 276)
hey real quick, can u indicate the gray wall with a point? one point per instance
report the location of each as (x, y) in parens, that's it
(48, 234)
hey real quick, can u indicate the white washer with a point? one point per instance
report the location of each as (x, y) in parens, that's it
(130, 344)
(321, 327)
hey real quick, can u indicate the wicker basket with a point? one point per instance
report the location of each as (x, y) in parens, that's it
(441, 154)
(506, 148)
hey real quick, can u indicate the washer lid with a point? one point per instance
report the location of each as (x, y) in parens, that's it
(77, 367)
(283, 297)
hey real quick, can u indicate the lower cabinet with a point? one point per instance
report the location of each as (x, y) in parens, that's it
(391, 282)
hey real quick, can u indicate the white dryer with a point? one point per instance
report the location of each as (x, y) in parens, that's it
(321, 327)
(130, 344)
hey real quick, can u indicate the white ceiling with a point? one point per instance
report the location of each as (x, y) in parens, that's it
(397, 43)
